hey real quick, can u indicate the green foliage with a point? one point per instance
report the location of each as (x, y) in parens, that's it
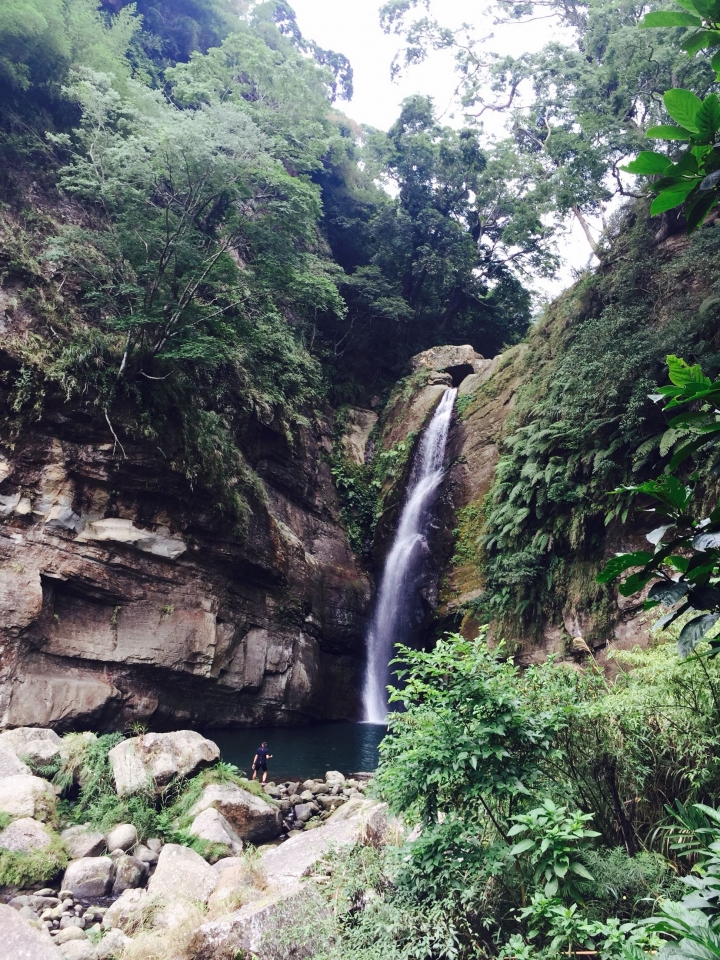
(358, 498)
(19, 869)
(551, 844)
(576, 108)
(465, 740)
(613, 753)
(683, 567)
(583, 425)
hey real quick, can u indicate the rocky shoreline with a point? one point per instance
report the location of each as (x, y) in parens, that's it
(246, 849)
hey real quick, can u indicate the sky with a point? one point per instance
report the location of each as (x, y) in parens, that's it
(352, 27)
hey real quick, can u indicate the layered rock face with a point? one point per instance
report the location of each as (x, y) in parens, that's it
(124, 595)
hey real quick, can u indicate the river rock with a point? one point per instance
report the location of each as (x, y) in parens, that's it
(329, 802)
(125, 913)
(154, 759)
(212, 826)
(78, 950)
(82, 841)
(20, 940)
(129, 873)
(303, 812)
(11, 766)
(111, 944)
(182, 874)
(296, 857)
(146, 855)
(255, 928)
(27, 796)
(37, 744)
(67, 934)
(307, 796)
(24, 835)
(335, 777)
(89, 877)
(254, 819)
(122, 837)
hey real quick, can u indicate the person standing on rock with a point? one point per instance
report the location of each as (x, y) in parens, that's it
(260, 761)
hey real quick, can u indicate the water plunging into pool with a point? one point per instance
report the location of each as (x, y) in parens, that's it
(397, 594)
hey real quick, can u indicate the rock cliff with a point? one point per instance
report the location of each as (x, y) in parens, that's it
(124, 596)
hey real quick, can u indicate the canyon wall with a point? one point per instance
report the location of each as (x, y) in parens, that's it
(124, 596)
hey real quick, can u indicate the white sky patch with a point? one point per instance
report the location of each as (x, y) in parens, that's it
(352, 27)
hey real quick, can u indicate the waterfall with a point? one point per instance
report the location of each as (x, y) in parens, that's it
(398, 586)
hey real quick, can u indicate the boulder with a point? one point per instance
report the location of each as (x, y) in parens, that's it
(67, 934)
(226, 863)
(176, 913)
(122, 837)
(286, 864)
(182, 874)
(145, 855)
(37, 744)
(82, 841)
(153, 760)
(10, 765)
(111, 944)
(129, 873)
(458, 361)
(27, 796)
(254, 819)
(256, 928)
(24, 835)
(329, 802)
(89, 877)
(303, 812)
(334, 777)
(212, 826)
(21, 941)
(125, 913)
(78, 950)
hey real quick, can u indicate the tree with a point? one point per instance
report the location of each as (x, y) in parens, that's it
(575, 112)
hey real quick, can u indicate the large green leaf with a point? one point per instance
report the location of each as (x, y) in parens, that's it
(696, 211)
(682, 105)
(693, 632)
(667, 592)
(672, 197)
(662, 18)
(666, 132)
(708, 116)
(708, 9)
(701, 41)
(648, 163)
(634, 583)
(617, 565)
(522, 847)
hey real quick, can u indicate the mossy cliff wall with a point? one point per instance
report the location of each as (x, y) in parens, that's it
(548, 430)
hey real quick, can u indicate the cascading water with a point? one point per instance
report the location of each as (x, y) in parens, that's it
(397, 594)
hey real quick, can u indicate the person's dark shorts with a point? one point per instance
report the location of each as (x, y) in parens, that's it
(261, 766)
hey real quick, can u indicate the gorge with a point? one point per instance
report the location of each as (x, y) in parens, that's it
(286, 419)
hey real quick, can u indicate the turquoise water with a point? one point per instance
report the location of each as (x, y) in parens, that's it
(303, 752)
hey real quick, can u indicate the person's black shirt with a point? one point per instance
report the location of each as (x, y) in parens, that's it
(262, 755)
